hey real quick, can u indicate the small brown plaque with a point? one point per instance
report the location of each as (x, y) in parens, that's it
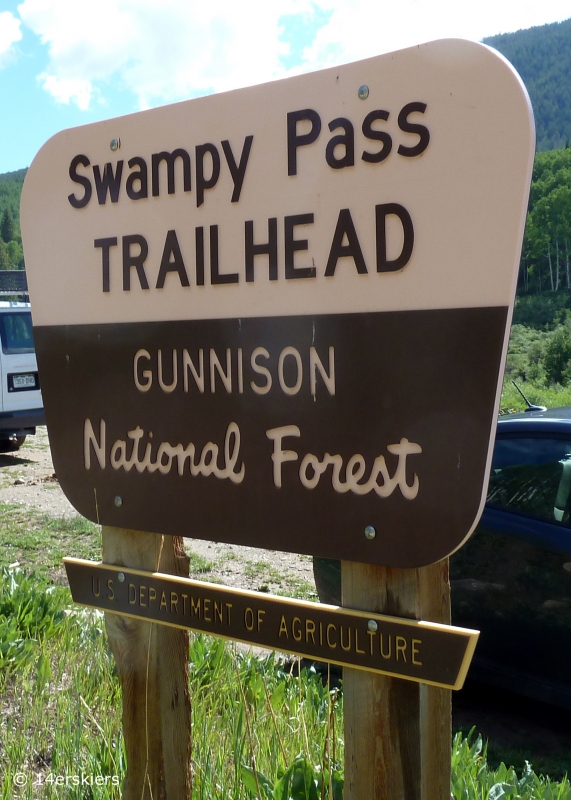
(426, 652)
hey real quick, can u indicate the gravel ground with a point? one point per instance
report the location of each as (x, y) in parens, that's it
(27, 478)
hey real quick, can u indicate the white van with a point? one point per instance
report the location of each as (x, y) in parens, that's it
(21, 405)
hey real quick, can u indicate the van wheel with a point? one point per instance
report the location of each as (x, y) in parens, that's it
(12, 444)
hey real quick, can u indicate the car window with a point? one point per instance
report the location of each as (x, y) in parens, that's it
(16, 333)
(532, 476)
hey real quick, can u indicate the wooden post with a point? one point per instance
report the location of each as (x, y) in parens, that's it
(397, 733)
(435, 703)
(152, 662)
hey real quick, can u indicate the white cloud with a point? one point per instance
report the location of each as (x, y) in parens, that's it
(10, 33)
(162, 50)
(359, 29)
(166, 50)
(66, 90)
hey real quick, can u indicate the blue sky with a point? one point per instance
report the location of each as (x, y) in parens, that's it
(69, 62)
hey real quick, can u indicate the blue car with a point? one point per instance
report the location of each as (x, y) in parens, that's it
(512, 579)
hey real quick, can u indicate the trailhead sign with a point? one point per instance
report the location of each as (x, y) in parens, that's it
(278, 316)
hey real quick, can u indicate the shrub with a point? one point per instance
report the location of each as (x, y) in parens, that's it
(30, 610)
(557, 357)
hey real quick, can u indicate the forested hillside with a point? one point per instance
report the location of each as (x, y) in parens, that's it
(542, 56)
(14, 177)
(11, 254)
(546, 258)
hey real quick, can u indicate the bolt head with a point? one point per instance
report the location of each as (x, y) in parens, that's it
(115, 144)
(363, 92)
(372, 625)
(370, 532)
(118, 501)
(121, 577)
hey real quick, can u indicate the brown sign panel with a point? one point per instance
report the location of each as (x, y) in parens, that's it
(426, 652)
(282, 328)
(279, 470)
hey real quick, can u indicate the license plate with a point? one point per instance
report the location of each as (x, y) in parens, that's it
(24, 381)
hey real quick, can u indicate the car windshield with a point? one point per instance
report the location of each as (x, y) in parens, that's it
(16, 332)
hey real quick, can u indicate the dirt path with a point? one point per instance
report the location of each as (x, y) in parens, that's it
(27, 478)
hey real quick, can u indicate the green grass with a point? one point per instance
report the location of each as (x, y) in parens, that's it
(40, 542)
(256, 726)
(473, 779)
(549, 396)
(38, 444)
(60, 714)
(556, 764)
(199, 565)
(300, 588)
(60, 702)
(288, 585)
(263, 572)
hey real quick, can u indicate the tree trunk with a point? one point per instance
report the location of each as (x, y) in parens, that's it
(550, 267)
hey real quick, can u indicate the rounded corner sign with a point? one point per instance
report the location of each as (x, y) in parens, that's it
(278, 316)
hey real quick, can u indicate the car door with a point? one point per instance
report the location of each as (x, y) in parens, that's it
(20, 384)
(512, 580)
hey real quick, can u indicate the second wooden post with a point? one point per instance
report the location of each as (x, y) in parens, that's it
(397, 733)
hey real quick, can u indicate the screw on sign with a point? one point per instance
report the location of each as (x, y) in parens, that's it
(260, 316)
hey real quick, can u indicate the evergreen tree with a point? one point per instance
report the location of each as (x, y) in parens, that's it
(4, 257)
(7, 226)
(542, 56)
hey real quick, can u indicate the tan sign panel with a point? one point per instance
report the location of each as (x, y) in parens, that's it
(426, 652)
(278, 316)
